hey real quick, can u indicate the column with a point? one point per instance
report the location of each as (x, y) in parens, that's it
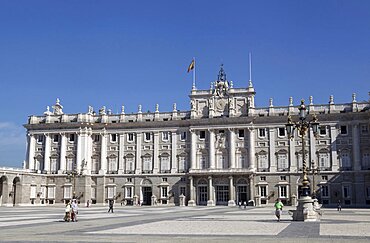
(193, 150)
(89, 152)
(252, 151)
(273, 165)
(312, 150)
(210, 201)
(138, 154)
(63, 153)
(47, 153)
(103, 153)
(174, 152)
(212, 162)
(251, 187)
(292, 157)
(231, 201)
(334, 152)
(156, 152)
(192, 192)
(31, 151)
(80, 151)
(121, 153)
(356, 147)
(232, 148)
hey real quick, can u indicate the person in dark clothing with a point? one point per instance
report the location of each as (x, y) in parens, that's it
(110, 206)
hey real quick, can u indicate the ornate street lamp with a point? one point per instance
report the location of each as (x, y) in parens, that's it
(305, 210)
(302, 125)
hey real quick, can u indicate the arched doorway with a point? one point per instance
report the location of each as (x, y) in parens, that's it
(242, 189)
(3, 190)
(16, 191)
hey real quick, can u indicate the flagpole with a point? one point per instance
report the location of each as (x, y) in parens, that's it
(250, 70)
(194, 74)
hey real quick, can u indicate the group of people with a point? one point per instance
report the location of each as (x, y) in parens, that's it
(71, 211)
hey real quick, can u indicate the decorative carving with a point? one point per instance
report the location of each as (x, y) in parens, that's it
(57, 108)
(102, 111)
(221, 85)
(90, 110)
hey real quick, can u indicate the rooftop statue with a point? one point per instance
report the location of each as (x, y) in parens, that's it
(57, 108)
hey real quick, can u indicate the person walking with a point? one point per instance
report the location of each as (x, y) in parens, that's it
(278, 209)
(339, 206)
(110, 206)
(74, 210)
(67, 215)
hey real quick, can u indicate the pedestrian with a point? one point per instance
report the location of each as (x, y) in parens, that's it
(278, 209)
(67, 214)
(74, 210)
(339, 206)
(110, 206)
(245, 204)
(240, 204)
(88, 203)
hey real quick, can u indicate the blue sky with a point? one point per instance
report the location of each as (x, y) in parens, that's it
(137, 52)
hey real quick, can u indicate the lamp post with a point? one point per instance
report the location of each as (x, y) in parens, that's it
(304, 209)
(315, 171)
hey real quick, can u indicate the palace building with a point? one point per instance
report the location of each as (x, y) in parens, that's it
(222, 151)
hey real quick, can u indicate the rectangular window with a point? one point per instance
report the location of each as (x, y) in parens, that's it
(93, 192)
(262, 132)
(164, 192)
(322, 130)
(343, 130)
(113, 138)
(165, 136)
(33, 192)
(283, 191)
(147, 136)
(368, 192)
(111, 192)
(203, 162)
(43, 192)
(182, 164)
(71, 137)
(147, 164)
(182, 190)
(55, 138)
(262, 178)
(241, 133)
(283, 178)
(202, 134)
(183, 136)
(130, 137)
(165, 164)
(346, 192)
(53, 165)
(51, 192)
(281, 131)
(324, 191)
(129, 192)
(96, 138)
(129, 165)
(67, 192)
(324, 178)
(40, 138)
(364, 129)
(324, 160)
(263, 191)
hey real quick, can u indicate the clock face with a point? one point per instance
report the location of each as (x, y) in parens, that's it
(220, 105)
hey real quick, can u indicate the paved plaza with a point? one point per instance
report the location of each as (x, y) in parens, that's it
(179, 224)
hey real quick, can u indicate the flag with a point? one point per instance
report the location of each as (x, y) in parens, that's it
(191, 66)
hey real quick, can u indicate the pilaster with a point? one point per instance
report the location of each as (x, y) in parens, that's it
(212, 162)
(103, 153)
(193, 150)
(173, 151)
(47, 153)
(63, 153)
(252, 150)
(231, 201)
(121, 153)
(156, 152)
(192, 192)
(210, 201)
(272, 149)
(31, 151)
(356, 147)
(334, 152)
(138, 154)
(232, 148)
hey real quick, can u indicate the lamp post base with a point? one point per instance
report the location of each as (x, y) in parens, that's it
(308, 210)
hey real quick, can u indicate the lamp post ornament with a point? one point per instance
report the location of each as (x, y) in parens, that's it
(302, 125)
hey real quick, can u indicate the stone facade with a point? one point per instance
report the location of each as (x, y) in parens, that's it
(221, 152)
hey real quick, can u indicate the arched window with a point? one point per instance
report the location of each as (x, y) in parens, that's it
(129, 164)
(345, 160)
(182, 166)
(262, 161)
(147, 163)
(323, 158)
